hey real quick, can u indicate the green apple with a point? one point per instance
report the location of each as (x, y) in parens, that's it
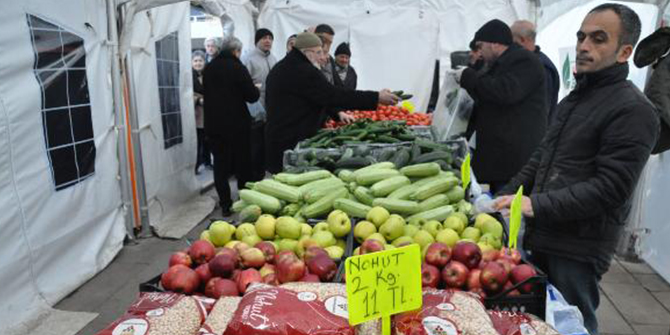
(335, 252)
(377, 236)
(306, 229)
(389, 246)
(287, 244)
(392, 229)
(410, 230)
(231, 244)
(463, 217)
(339, 223)
(324, 238)
(423, 238)
(403, 239)
(341, 243)
(245, 229)
(303, 243)
(251, 240)
(468, 240)
(447, 236)
(205, 236)
(484, 247)
(357, 251)
(364, 229)
(471, 233)
(321, 226)
(265, 226)
(454, 222)
(288, 227)
(456, 194)
(418, 222)
(432, 226)
(220, 234)
(377, 215)
(492, 227)
(491, 240)
(481, 218)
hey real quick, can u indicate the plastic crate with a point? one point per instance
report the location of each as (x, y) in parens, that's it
(533, 302)
(152, 285)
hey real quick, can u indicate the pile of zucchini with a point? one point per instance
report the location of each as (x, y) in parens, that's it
(361, 131)
(416, 191)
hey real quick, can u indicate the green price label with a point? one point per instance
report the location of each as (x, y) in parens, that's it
(383, 283)
(515, 218)
(465, 172)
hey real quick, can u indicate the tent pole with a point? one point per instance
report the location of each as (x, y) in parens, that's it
(131, 217)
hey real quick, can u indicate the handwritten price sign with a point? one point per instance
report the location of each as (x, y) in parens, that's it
(383, 283)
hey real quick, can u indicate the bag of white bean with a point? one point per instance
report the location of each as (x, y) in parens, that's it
(510, 323)
(158, 313)
(217, 320)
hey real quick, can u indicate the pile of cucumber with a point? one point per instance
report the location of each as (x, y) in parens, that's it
(362, 131)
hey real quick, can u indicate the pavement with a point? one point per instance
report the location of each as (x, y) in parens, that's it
(635, 300)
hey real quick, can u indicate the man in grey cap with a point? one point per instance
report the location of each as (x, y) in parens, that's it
(298, 95)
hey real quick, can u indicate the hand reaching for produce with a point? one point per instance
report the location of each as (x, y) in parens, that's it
(346, 118)
(505, 202)
(386, 97)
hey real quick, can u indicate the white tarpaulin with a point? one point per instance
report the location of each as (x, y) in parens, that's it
(165, 106)
(654, 215)
(60, 215)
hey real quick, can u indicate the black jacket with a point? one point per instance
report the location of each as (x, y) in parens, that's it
(228, 88)
(582, 176)
(350, 81)
(297, 96)
(551, 82)
(510, 114)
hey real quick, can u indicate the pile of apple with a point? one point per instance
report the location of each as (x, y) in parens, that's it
(393, 231)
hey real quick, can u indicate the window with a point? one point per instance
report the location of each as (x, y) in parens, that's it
(60, 69)
(167, 63)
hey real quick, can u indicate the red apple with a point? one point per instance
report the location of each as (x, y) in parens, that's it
(482, 264)
(467, 253)
(322, 266)
(201, 251)
(438, 254)
(493, 277)
(480, 293)
(229, 251)
(241, 246)
(430, 275)
(490, 255)
(506, 263)
(512, 254)
(167, 276)
(521, 273)
(268, 250)
(310, 278)
(283, 255)
(252, 258)
(222, 266)
(455, 274)
(218, 287)
(371, 245)
(248, 277)
(271, 279)
(473, 279)
(267, 269)
(182, 258)
(235, 275)
(183, 280)
(204, 273)
(290, 269)
(313, 252)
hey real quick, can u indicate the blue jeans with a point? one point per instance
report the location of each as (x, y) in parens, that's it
(577, 281)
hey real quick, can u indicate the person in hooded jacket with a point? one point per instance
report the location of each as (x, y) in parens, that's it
(228, 89)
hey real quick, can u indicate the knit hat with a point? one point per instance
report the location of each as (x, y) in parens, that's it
(307, 40)
(494, 31)
(343, 49)
(260, 33)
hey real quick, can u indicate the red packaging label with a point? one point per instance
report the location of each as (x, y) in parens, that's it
(509, 323)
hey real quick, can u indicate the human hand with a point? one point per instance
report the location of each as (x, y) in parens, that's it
(388, 98)
(505, 202)
(346, 118)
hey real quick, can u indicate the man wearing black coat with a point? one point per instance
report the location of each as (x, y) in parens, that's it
(510, 114)
(578, 183)
(344, 74)
(298, 95)
(228, 89)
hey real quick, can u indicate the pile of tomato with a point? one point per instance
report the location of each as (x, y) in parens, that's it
(384, 113)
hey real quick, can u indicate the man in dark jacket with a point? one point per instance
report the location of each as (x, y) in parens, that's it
(228, 89)
(298, 94)
(344, 74)
(524, 35)
(579, 182)
(509, 116)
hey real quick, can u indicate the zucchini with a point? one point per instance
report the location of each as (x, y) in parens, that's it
(324, 205)
(435, 201)
(267, 203)
(382, 165)
(250, 213)
(319, 183)
(427, 180)
(352, 208)
(363, 195)
(456, 194)
(239, 205)
(386, 186)
(370, 177)
(290, 210)
(421, 170)
(432, 156)
(404, 207)
(315, 194)
(346, 176)
(440, 213)
(403, 193)
(278, 190)
(304, 178)
(434, 187)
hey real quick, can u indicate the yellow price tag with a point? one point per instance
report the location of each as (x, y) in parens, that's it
(515, 218)
(408, 105)
(465, 171)
(383, 283)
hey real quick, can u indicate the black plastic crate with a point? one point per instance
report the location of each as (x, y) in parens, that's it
(533, 302)
(152, 285)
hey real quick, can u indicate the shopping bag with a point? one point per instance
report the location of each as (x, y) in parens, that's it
(453, 110)
(565, 318)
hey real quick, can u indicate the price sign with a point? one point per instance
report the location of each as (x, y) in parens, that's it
(465, 172)
(515, 218)
(383, 283)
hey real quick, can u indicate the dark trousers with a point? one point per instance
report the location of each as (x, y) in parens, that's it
(577, 281)
(275, 153)
(258, 150)
(231, 158)
(204, 154)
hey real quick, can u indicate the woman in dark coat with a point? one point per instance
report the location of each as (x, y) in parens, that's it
(228, 89)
